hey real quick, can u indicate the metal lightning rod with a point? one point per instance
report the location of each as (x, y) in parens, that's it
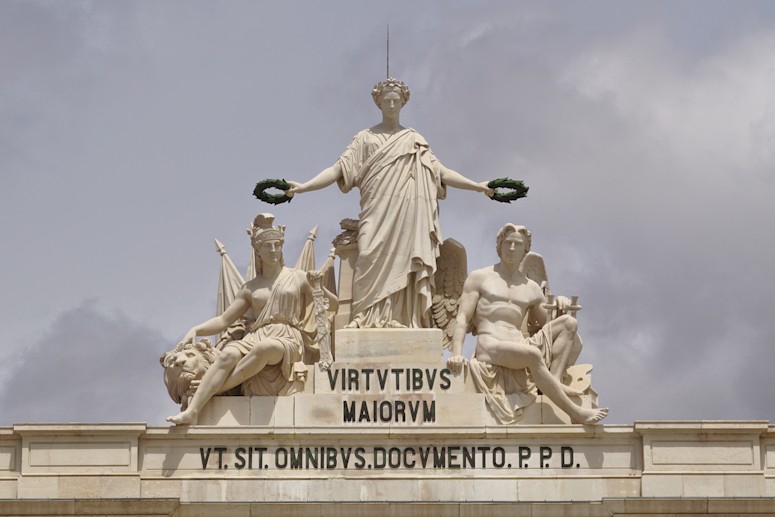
(388, 52)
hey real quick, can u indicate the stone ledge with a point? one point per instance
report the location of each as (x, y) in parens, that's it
(387, 346)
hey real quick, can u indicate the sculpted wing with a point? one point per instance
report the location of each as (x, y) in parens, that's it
(534, 268)
(451, 272)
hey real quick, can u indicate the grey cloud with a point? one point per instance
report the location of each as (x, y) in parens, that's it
(146, 125)
(88, 367)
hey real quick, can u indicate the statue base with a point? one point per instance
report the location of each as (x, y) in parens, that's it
(381, 377)
(388, 346)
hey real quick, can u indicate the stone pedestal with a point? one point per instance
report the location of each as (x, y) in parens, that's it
(387, 346)
(645, 469)
(389, 377)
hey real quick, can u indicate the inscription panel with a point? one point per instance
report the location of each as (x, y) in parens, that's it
(80, 454)
(675, 452)
(7, 459)
(269, 458)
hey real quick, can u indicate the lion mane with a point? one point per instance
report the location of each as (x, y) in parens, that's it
(186, 363)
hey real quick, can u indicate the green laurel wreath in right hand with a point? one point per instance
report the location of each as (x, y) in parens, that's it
(518, 189)
(274, 199)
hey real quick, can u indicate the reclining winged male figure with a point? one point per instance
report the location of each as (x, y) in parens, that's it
(496, 300)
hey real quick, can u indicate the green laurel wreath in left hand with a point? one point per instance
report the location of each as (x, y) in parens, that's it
(517, 189)
(274, 199)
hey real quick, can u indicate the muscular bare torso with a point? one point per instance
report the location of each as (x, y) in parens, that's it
(502, 306)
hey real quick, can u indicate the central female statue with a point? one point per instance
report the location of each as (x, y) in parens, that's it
(400, 181)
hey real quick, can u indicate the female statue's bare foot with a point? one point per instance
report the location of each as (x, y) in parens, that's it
(187, 417)
(589, 416)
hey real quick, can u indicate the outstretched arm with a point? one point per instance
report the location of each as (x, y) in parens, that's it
(222, 322)
(322, 180)
(457, 180)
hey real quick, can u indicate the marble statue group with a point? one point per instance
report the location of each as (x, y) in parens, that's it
(277, 321)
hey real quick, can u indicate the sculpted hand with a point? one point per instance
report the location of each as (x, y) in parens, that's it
(563, 302)
(314, 277)
(192, 387)
(489, 192)
(455, 363)
(188, 338)
(295, 188)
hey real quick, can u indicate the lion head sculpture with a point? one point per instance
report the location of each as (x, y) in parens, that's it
(184, 364)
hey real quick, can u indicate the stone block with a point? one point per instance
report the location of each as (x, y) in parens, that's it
(284, 411)
(8, 489)
(245, 490)
(114, 487)
(579, 489)
(566, 510)
(742, 485)
(215, 509)
(769, 487)
(379, 490)
(79, 487)
(300, 510)
(701, 454)
(159, 488)
(295, 490)
(262, 410)
(19, 508)
(226, 411)
(7, 459)
(741, 505)
(464, 410)
(205, 490)
(550, 413)
(494, 509)
(124, 507)
(703, 485)
(81, 454)
(660, 506)
(544, 412)
(537, 489)
(661, 485)
(621, 487)
(388, 346)
(38, 487)
(346, 490)
(448, 489)
(354, 510)
(439, 509)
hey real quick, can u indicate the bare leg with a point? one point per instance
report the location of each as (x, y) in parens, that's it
(210, 385)
(264, 353)
(520, 355)
(566, 348)
(550, 386)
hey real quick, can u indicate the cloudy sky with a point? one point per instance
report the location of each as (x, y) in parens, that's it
(132, 133)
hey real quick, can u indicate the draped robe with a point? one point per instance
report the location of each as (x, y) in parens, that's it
(281, 320)
(399, 180)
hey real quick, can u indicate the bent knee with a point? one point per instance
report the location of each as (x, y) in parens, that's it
(533, 355)
(229, 356)
(568, 323)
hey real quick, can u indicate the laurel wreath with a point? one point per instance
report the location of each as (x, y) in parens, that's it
(274, 199)
(517, 189)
